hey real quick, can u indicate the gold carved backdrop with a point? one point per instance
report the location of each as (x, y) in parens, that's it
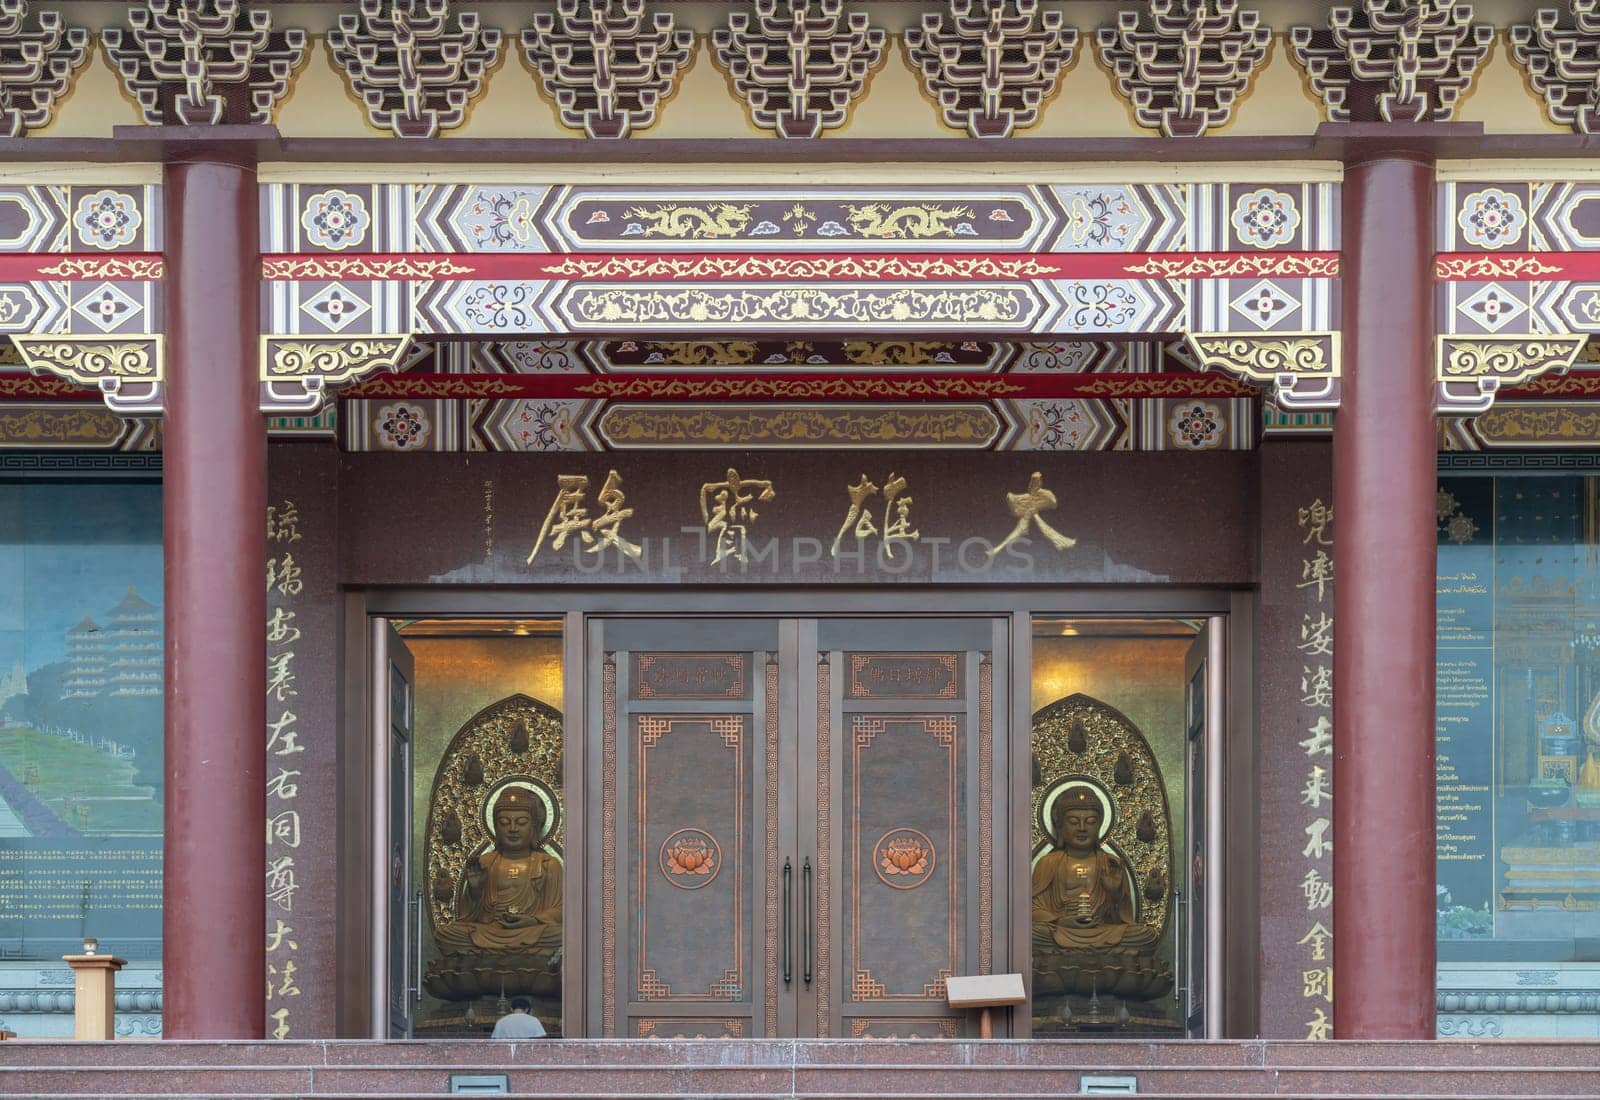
(1081, 737)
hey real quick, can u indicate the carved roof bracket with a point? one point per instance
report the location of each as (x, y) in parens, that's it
(129, 373)
(38, 61)
(1302, 368)
(416, 76)
(1562, 59)
(204, 62)
(607, 65)
(1471, 370)
(298, 372)
(799, 65)
(1183, 64)
(991, 64)
(1393, 60)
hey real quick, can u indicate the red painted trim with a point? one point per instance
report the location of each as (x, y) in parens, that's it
(864, 266)
(80, 267)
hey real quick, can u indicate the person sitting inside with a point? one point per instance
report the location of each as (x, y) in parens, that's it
(519, 1023)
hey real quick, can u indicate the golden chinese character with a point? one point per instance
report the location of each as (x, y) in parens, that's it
(1318, 842)
(280, 676)
(566, 516)
(896, 514)
(608, 524)
(284, 977)
(285, 576)
(284, 829)
(279, 936)
(1315, 521)
(1318, 938)
(283, 785)
(1317, 983)
(1316, 686)
(1316, 573)
(1026, 506)
(1316, 790)
(280, 738)
(1318, 892)
(281, 884)
(280, 627)
(281, 1018)
(1319, 1026)
(1316, 636)
(283, 522)
(727, 510)
(1320, 743)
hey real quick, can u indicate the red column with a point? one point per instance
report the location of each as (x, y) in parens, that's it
(215, 478)
(1384, 481)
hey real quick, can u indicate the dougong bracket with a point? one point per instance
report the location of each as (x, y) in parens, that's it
(128, 373)
(204, 62)
(1562, 60)
(296, 371)
(37, 66)
(1469, 371)
(1302, 367)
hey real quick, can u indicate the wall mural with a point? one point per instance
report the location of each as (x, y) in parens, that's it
(80, 718)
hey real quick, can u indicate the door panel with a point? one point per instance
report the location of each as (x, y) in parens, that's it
(689, 829)
(726, 908)
(904, 833)
(1192, 934)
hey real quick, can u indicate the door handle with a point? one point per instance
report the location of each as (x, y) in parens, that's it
(1180, 988)
(788, 967)
(805, 917)
(416, 952)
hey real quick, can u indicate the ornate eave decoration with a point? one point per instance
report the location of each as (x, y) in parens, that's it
(988, 68)
(204, 62)
(1562, 60)
(1303, 368)
(37, 66)
(1394, 60)
(607, 65)
(416, 76)
(297, 371)
(1470, 370)
(799, 65)
(129, 373)
(1182, 64)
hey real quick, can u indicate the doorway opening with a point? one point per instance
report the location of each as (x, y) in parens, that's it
(681, 825)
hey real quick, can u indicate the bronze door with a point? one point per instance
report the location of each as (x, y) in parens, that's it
(796, 824)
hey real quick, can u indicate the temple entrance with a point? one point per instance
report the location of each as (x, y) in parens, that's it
(798, 823)
(736, 826)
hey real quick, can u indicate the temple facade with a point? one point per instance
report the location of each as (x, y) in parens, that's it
(866, 520)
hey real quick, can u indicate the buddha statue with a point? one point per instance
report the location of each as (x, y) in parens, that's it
(510, 900)
(1081, 896)
(1087, 939)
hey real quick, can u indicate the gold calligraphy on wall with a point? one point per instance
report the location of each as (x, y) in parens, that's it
(1315, 523)
(285, 581)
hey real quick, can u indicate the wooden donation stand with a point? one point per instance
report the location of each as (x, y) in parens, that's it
(94, 1013)
(985, 991)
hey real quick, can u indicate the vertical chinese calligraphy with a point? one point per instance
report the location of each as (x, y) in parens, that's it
(285, 582)
(1315, 645)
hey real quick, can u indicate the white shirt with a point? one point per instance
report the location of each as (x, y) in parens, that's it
(518, 1025)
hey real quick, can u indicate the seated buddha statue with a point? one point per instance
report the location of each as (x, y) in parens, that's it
(510, 900)
(1087, 940)
(1080, 889)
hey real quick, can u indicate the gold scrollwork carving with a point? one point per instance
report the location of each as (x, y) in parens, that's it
(1469, 371)
(128, 373)
(1491, 268)
(801, 267)
(290, 268)
(1303, 367)
(1279, 265)
(97, 268)
(821, 388)
(296, 371)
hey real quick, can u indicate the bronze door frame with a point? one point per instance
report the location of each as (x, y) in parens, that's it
(359, 924)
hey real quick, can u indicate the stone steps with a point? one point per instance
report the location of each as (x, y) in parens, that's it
(831, 1069)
